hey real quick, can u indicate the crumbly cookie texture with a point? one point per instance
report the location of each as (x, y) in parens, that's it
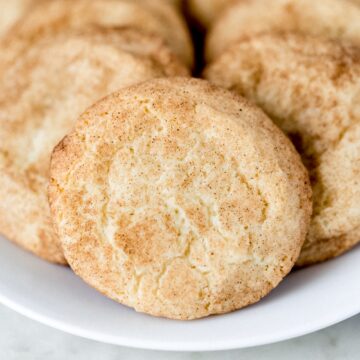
(150, 16)
(179, 199)
(338, 19)
(41, 95)
(310, 87)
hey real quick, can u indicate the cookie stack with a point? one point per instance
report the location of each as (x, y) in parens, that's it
(173, 195)
(300, 62)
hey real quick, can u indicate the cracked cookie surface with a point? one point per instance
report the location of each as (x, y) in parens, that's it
(179, 199)
(42, 94)
(310, 87)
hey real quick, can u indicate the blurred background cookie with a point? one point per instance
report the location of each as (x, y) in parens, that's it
(310, 87)
(150, 16)
(330, 18)
(179, 199)
(41, 95)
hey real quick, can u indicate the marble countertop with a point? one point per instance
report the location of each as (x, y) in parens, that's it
(21, 338)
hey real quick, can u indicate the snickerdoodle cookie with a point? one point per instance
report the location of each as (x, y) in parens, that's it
(41, 95)
(310, 87)
(179, 199)
(330, 18)
(150, 16)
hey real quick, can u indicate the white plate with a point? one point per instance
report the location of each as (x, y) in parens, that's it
(306, 301)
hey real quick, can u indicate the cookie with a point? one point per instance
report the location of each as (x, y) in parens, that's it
(150, 16)
(330, 18)
(41, 95)
(310, 87)
(179, 199)
(11, 11)
(206, 11)
(176, 3)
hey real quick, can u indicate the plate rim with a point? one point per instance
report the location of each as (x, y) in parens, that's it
(202, 346)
